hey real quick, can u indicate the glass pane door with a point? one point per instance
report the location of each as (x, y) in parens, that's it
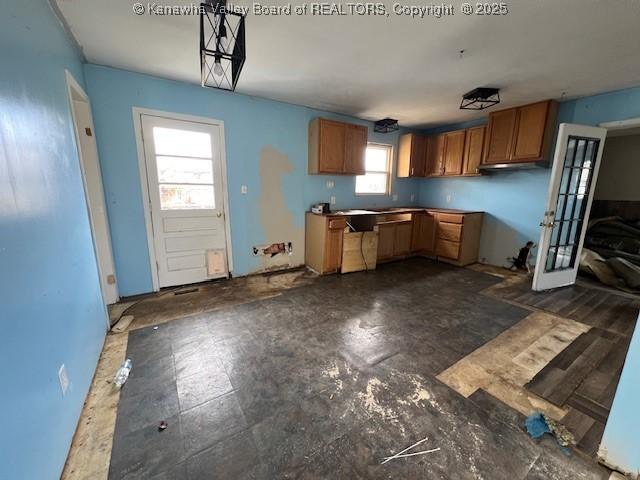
(575, 187)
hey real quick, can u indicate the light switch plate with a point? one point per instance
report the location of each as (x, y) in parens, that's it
(330, 184)
(413, 197)
(64, 379)
(448, 198)
(395, 197)
(333, 199)
(243, 189)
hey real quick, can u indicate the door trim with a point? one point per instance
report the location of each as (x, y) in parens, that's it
(144, 182)
(74, 87)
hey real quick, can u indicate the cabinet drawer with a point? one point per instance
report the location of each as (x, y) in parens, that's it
(448, 249)
(337, 223)
(450, 231)
(451, 217)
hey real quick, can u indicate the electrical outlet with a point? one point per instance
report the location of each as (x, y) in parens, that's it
(413, 197)
(448, 198)
(64, 379)
(395, 197)
(330, 184)
(243, 189)
(333, 199)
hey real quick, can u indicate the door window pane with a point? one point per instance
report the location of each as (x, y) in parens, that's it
(184, 170)
(186, 197)
(184, 143)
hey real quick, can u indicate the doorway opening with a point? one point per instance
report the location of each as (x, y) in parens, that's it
(611, 254)
(92, 181)
(183, 175)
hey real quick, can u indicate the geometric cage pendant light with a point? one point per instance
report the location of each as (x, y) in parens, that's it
(222, 45)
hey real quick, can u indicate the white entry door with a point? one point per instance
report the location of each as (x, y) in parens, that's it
(184, 174)
(573, 179)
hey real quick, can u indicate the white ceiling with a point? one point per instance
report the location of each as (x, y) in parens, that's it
(373, 67)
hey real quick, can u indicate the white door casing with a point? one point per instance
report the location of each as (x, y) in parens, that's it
(185, 186)
(94, 193)
(573, 178)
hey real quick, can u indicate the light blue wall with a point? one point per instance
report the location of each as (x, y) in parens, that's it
(514, 201)
(52, 311)
(250, 124)
(620, 445)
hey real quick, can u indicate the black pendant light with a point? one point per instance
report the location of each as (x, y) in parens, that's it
(480, 98)
(386, 125)
(222, 45)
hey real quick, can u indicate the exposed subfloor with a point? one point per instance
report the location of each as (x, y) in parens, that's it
(584, 376)
(325, 380)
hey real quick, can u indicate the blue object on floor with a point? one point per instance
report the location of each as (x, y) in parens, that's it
(536, 425)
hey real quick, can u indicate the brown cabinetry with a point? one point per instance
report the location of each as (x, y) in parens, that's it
(424, 233)
(412, 152)
(473, 149)
(435, 155)
(394, 239)
(453, 152)
(336, 147)
(521, 134)
(323, 242)
(458, 237)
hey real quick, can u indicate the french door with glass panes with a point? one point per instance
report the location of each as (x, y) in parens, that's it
(573, 179)
(184, 174)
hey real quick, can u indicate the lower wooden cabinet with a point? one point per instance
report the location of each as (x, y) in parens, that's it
(386, 239)
(449, 236)
(424, 233)
(394, 239)
(458, 237)
(323, 242)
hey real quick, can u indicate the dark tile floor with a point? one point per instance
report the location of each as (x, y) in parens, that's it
(326, 380)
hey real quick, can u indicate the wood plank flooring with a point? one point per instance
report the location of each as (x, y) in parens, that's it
(584, 376)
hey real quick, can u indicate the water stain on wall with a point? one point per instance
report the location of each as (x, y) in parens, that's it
(276, 217)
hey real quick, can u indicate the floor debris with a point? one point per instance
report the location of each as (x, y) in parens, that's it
(402, 453)
(538, 424)
(163, 426)
(123, 372)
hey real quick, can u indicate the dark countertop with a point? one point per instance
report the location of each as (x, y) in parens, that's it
(399, 210)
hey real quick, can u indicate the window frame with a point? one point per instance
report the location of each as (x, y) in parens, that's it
(388, 172)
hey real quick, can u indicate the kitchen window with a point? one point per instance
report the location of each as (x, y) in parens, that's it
(378, 167)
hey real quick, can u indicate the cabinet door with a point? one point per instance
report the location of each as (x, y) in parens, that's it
(453, 152)
(424, 233)
(386, 238)
(435, 152)
(418, 156)
(402, 241)
(474, 144)
(529, 133)
(333, 250)
(332, 146)
(500, 136)
(355, 149)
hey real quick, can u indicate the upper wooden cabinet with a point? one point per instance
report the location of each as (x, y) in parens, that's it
(337, 147)
(412, 152)
(521, 134)
(453, 152)
(473, 148)
(435, 155)
(356, 149)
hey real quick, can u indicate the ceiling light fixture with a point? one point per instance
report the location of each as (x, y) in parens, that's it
(222, 45)
(386, 125)
(480, 98)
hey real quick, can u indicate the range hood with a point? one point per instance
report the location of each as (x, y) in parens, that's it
(497, 167)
